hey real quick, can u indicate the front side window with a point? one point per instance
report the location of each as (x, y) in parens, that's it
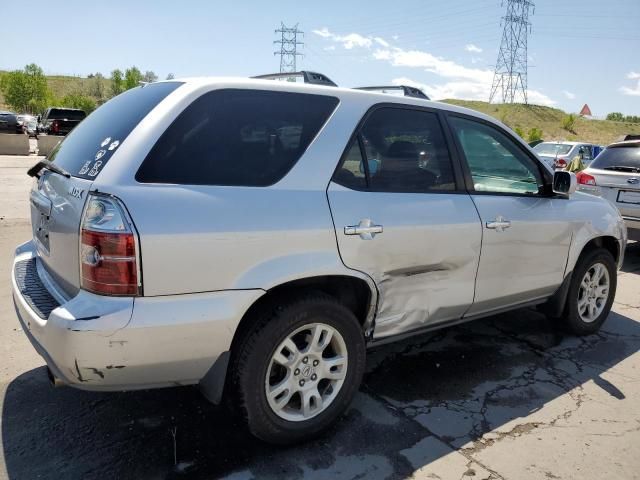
(495, 162)
(237, 138)
(405, 151)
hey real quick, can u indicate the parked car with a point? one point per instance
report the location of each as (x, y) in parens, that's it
(255, 237)
(31, 128)
(615, 175)
(9, 123)
(60, 121)
(559, 154)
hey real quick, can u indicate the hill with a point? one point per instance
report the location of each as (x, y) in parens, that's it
(550, 121)
(514, 115)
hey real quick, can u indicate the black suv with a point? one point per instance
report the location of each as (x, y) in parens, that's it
(9, 123)
(60, 121)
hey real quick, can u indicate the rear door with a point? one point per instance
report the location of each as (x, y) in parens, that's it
(526, 232)
(401, 217)
(57, 202)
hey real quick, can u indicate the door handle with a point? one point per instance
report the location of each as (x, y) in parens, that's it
(499, 224)
(366, 229)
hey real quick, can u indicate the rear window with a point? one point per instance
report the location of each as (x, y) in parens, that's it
(62, 113)
(552, 149)
(237, 138)
(89, 146)
(627, 157)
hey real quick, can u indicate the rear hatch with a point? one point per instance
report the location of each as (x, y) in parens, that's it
(617, 174)
(57, 201)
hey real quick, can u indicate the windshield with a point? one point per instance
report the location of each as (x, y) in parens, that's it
(62, 113)
(626, 157)
(552, 149)
(89, 146)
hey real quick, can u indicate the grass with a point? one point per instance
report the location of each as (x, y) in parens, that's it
(550, 121)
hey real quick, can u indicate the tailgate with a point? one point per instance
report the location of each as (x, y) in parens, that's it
(622, 189)
(56, 210)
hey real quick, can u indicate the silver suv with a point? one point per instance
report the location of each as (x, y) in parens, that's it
(255, 237)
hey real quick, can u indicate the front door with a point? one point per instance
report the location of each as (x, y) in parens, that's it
(400, 218)
(526, 235)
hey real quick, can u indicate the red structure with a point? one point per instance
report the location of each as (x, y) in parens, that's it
(586, 111)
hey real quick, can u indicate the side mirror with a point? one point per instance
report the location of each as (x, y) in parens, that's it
(564, 183)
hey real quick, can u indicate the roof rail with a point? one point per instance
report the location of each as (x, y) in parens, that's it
(408, 91)
(309, 77)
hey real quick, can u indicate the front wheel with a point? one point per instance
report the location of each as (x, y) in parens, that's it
(298, 369)
(591, 294)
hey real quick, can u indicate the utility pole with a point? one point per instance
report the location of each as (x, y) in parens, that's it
(288, 47)
(510, 75)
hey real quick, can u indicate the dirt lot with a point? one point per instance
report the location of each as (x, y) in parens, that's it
(509, 397)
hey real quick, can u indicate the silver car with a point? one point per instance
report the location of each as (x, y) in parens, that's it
(615, 175)
(255, 237)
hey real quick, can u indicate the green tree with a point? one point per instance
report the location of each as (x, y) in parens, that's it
(171, 76)
(76, 100)
(615, 117)
(149, 77)
(95, 86)
(26, 90)
(534, 134)
(132, 78)
(569, 122)
(117, 82)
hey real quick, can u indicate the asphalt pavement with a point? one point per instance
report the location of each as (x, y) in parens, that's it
(507, 397)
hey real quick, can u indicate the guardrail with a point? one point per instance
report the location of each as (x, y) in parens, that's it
(14, 144)
(46, 143)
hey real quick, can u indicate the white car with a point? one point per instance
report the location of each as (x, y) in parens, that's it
(559, 154)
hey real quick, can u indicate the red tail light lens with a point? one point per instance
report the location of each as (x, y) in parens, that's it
(561, 162)
(55, 127)
(585, 179)
(108, 250)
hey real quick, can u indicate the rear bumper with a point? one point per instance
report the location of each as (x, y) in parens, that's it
(94, 342)
(633, 227)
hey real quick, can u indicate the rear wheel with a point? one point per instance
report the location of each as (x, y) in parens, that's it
(298, 369)
(590, 297)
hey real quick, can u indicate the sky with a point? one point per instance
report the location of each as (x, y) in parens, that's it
(579, 51)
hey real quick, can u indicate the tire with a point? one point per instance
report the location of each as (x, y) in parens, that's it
(283, 420)
(581, 320)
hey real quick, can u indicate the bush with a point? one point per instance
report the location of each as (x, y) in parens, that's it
(82, 102)
(569, 122)
(520, 132)
(534, 135)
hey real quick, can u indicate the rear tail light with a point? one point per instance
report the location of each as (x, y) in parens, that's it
(55, 127)
(560, 162)
(585, 179)
(109, 260)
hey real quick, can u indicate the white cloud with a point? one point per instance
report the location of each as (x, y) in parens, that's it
(470, 47)
(348, 41)
(630, 90)
(461, 81)
(330, 48)
(569, 95)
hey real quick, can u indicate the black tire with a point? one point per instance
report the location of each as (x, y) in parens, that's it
(572, 319)
(252, 358)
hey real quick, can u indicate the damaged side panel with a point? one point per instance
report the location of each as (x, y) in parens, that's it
(424, 262)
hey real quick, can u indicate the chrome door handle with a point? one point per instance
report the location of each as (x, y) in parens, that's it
(499, 224)
(366, 229)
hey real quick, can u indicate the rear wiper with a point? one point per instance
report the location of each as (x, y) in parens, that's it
(623, 169)
(44, 163)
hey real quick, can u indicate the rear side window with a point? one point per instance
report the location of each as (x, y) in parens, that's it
(89, 146)
(625, 158)
(237, 138)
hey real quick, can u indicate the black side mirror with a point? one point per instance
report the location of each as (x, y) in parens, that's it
(564, 183)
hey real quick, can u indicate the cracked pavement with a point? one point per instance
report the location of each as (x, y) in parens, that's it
(507, 397)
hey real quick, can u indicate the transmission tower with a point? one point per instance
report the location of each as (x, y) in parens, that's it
(288, 47)
(510, 76)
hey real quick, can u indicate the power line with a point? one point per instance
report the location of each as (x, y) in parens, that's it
(510, 75)
(288, 47)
